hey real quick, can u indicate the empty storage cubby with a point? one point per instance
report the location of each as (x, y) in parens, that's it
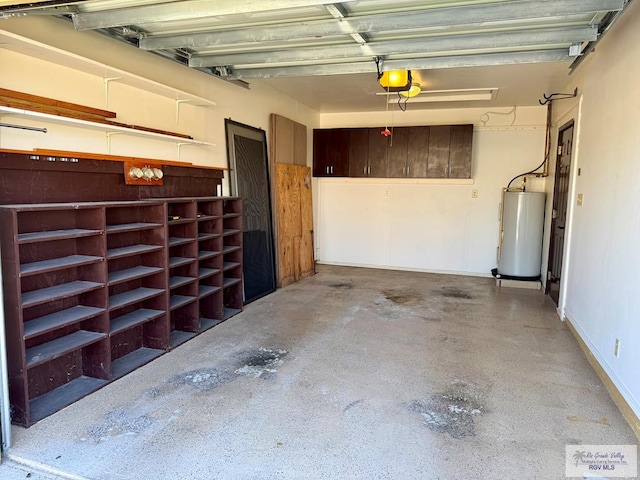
(210, 243)
(55, 304)
(183, 269)
(232, 257)
(137, 284)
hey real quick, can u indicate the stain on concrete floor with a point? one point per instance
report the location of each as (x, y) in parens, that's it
(402, 297)
(261, 363)
(453, 412)
(119, 422)
(204, 379)
(455, 293)
(353, 404)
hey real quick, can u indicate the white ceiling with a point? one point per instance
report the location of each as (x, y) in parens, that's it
(521, 85)
(328, 54)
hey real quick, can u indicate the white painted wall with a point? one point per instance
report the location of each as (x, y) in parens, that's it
(50, 69)
(603, 279)
(429, 225)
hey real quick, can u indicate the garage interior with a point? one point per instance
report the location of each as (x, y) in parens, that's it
(388, 350)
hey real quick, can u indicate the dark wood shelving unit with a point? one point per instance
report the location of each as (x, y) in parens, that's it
(137, 282)
(95, 290)
(57, 326)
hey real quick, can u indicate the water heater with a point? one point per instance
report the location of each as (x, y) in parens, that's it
(521, 236)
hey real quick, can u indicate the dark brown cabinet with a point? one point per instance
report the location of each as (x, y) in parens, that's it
(94, 290)
(440, 151)
(460, 151)
(331, 152)
(359, 152)
(418, 152)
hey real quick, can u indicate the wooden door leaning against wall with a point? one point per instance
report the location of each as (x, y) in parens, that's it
(292, 200)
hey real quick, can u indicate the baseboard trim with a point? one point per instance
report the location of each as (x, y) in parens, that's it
(627, 412)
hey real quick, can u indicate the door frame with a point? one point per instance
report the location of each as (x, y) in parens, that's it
(574, 113)
(236, 128)
(552, 244)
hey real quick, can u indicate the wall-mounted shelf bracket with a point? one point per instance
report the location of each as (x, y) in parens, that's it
(557, 96)
(106, 88)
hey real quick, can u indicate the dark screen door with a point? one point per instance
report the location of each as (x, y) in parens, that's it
(559, 214)
(249, 179)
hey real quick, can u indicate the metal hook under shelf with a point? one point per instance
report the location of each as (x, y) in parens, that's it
(22, 127)
(557, 96)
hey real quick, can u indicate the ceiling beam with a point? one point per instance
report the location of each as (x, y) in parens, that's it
(469, 15)
(455, 61)
(429, 45)
(183, 10)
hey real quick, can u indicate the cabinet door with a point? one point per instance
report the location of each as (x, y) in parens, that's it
(358, 152)
(377, 153)
(331, 152)
(460, 151)
(321, 152)
(418, 152)
(439, 140)
(397, 156)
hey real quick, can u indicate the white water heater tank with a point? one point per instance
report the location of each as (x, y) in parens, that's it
(522, 230)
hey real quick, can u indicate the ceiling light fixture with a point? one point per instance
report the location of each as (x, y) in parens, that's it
(395, 80)
(414, 90)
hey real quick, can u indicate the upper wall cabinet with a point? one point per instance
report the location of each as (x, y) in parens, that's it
(331, 153)
(442, 151)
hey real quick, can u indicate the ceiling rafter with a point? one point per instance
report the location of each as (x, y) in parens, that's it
(429, 45)
(441, 17)
(183, 10)
(454, 61)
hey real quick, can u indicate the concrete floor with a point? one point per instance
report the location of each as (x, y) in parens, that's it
(350, 374)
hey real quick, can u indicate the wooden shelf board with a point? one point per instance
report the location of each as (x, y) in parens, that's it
(60, 263)
(228, 282)
(132, 250)
(175, 241)
(53, 321)
(229, 265)
(207, 323)
(133, 296)
(232, 215)
(207, 236)
(131, 227)
(61, 346)
(176, 281)
(230, 312)
(33, 237)
(179, 261)
(129, 362)
(203, 254)
(177, 301)
(110, 127)
(180, 221)
(133, 319)
(178, 337)
(132, 274)
(231, 231)
(57, 292)
(204, 218)
(230, 248)
(204, 272)
(204, 290)
(63, 396)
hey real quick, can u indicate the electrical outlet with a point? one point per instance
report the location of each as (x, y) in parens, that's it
(474, 193)
(616, 348)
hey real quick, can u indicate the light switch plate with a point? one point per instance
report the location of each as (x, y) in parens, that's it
(580, 199)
